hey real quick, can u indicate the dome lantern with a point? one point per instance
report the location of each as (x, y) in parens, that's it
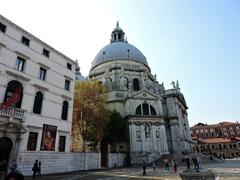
(117, 34)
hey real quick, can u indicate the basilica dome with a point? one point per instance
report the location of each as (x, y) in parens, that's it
(118, 49)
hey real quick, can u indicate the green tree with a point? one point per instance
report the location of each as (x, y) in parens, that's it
(117, 128)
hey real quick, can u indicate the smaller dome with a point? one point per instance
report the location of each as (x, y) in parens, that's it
(78, 75)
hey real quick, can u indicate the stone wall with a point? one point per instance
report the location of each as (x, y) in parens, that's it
(116, 159)
(56, 162)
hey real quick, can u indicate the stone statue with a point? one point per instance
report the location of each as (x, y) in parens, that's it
(147, 131)
(138, 134)
(157, 134)
(108, 84)
(173, 84)
(123, 83)
(177, 86)
(149, 84)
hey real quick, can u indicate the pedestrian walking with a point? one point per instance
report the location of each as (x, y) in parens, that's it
(166, 162)
(35, 169)
(196, 163)
(39, 169)
(144, 168)
(153, 166)
(187, 159)
(174, 166)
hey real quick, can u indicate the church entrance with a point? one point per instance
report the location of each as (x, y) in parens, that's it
(5, 150)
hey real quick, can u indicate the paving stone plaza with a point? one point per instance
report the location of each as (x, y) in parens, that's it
(230, 170)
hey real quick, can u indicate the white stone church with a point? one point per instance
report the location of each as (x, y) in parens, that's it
(157, 117)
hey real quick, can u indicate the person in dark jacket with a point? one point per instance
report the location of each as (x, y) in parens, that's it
(39, 169)
(144, 168)
(35, 169)
(187, 159)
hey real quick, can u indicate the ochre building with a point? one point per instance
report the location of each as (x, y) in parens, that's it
(221, 140)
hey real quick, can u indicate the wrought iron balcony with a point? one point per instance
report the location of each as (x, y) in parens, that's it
(14, 113)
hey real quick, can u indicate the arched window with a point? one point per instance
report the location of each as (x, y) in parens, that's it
(152, 110)
(145, 109)
(135, 84)
(65, 110)
(12, 87)
(37, 107)
(138, 110)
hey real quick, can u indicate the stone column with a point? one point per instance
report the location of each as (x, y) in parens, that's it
(188, 133)
(181, 128)
(15, 149)
(175, 135)
(163, 138)
(154, 137)
(143, 136)
(130, 84)
(131, 136)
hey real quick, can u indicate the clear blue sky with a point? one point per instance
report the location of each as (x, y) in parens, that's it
(195, 42)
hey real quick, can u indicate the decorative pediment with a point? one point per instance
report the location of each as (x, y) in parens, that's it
(144, 94)
(10, 126)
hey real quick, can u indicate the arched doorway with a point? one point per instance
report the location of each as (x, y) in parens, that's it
(5, 150)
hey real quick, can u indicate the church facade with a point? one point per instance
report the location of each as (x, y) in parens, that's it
(157, 117)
